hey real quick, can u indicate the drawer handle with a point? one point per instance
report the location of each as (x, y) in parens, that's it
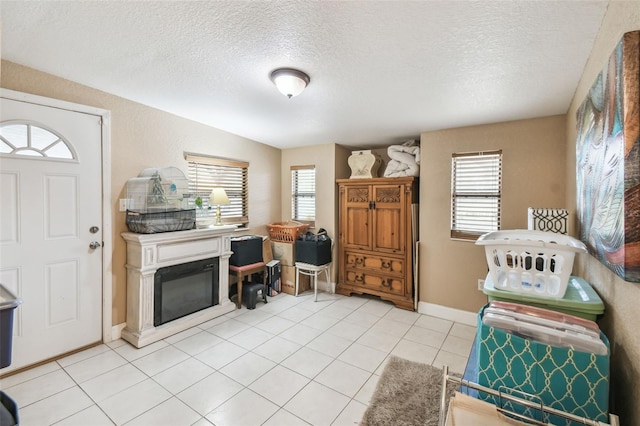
(359, 278)
(386, 283)
(386, 265)
(359, 261)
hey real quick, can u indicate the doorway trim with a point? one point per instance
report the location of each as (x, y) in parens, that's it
(107, 249)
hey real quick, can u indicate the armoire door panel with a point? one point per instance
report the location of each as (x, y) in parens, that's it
(388, 230)
(358, 194)
(358, 233)
(389, 226)
(389, 194)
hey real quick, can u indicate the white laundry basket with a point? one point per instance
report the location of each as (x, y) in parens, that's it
(532, 262)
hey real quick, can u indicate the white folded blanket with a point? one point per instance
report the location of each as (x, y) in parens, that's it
(405, 160)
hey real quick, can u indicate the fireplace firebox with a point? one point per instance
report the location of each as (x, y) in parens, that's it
(183, 289)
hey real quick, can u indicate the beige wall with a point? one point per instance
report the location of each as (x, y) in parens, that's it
(143, 137)
(622, 299)
(323, 157)
(343, 171)
(533, 154)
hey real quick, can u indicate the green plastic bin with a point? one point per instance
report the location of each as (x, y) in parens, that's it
(580, 298)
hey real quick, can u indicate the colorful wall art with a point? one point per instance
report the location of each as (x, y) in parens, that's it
(608, 162)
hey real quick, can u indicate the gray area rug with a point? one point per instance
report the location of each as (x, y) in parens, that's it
(408, 393)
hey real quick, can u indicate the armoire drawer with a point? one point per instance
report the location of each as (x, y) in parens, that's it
(359, 278)
(375, 263)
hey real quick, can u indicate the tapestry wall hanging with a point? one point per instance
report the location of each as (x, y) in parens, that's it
(608, 162)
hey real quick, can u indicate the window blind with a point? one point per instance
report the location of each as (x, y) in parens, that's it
(303, 193)
(476, 182)
(205, 173)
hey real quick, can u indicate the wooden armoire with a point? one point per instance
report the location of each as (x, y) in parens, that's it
(376, 238)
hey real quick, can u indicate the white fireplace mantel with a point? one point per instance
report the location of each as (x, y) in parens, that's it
(146, 253)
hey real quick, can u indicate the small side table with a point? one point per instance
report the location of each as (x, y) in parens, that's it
(312, 271)
(246, 271)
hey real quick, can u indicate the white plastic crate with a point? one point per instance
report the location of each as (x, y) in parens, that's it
(533, 262)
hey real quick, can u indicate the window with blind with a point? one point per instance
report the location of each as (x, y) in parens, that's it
(303, 194)
(476, 182)
(206, 173)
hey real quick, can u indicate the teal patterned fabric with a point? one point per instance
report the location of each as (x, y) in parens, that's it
(572, 381)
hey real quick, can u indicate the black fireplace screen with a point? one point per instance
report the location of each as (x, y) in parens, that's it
(184, 289)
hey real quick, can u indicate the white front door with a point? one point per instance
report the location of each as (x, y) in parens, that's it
(51, 228)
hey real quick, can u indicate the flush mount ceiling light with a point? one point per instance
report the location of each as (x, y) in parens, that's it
(290, 82)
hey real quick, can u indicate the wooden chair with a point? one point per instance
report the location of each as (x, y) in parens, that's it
(242, 272)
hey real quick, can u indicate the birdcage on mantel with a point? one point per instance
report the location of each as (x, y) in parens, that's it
(158, 201)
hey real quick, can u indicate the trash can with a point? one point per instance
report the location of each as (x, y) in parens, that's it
(8, 411)
(8, 304)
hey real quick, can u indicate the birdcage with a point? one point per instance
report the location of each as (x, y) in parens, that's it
(157, 201)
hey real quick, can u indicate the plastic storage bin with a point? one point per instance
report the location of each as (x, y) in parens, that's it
(8, 411)
(247, 249)
(315, 251)
(568, 380)
(545, 326)
(8, 304)
(579, 300)
(533, 262)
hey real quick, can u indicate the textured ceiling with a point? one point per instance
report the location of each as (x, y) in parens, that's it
(381, 71)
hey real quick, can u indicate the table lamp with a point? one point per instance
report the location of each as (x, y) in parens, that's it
(217, 198)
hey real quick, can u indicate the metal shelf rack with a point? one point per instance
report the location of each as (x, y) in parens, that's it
(507, 395)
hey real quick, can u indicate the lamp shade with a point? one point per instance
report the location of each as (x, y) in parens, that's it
(218, 196)
(290, 82)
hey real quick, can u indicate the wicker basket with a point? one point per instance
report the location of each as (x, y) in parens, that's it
(286, 232)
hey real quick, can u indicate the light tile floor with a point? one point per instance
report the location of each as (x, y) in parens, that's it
(292, 361)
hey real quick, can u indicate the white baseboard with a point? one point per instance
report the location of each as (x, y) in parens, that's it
(451, 314)
(116, 331)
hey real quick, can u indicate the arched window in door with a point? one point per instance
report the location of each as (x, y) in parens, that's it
(32, 140)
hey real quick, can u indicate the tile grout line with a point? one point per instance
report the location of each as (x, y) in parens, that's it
(237, 316)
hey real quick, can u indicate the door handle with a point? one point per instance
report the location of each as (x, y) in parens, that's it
(95, 244)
